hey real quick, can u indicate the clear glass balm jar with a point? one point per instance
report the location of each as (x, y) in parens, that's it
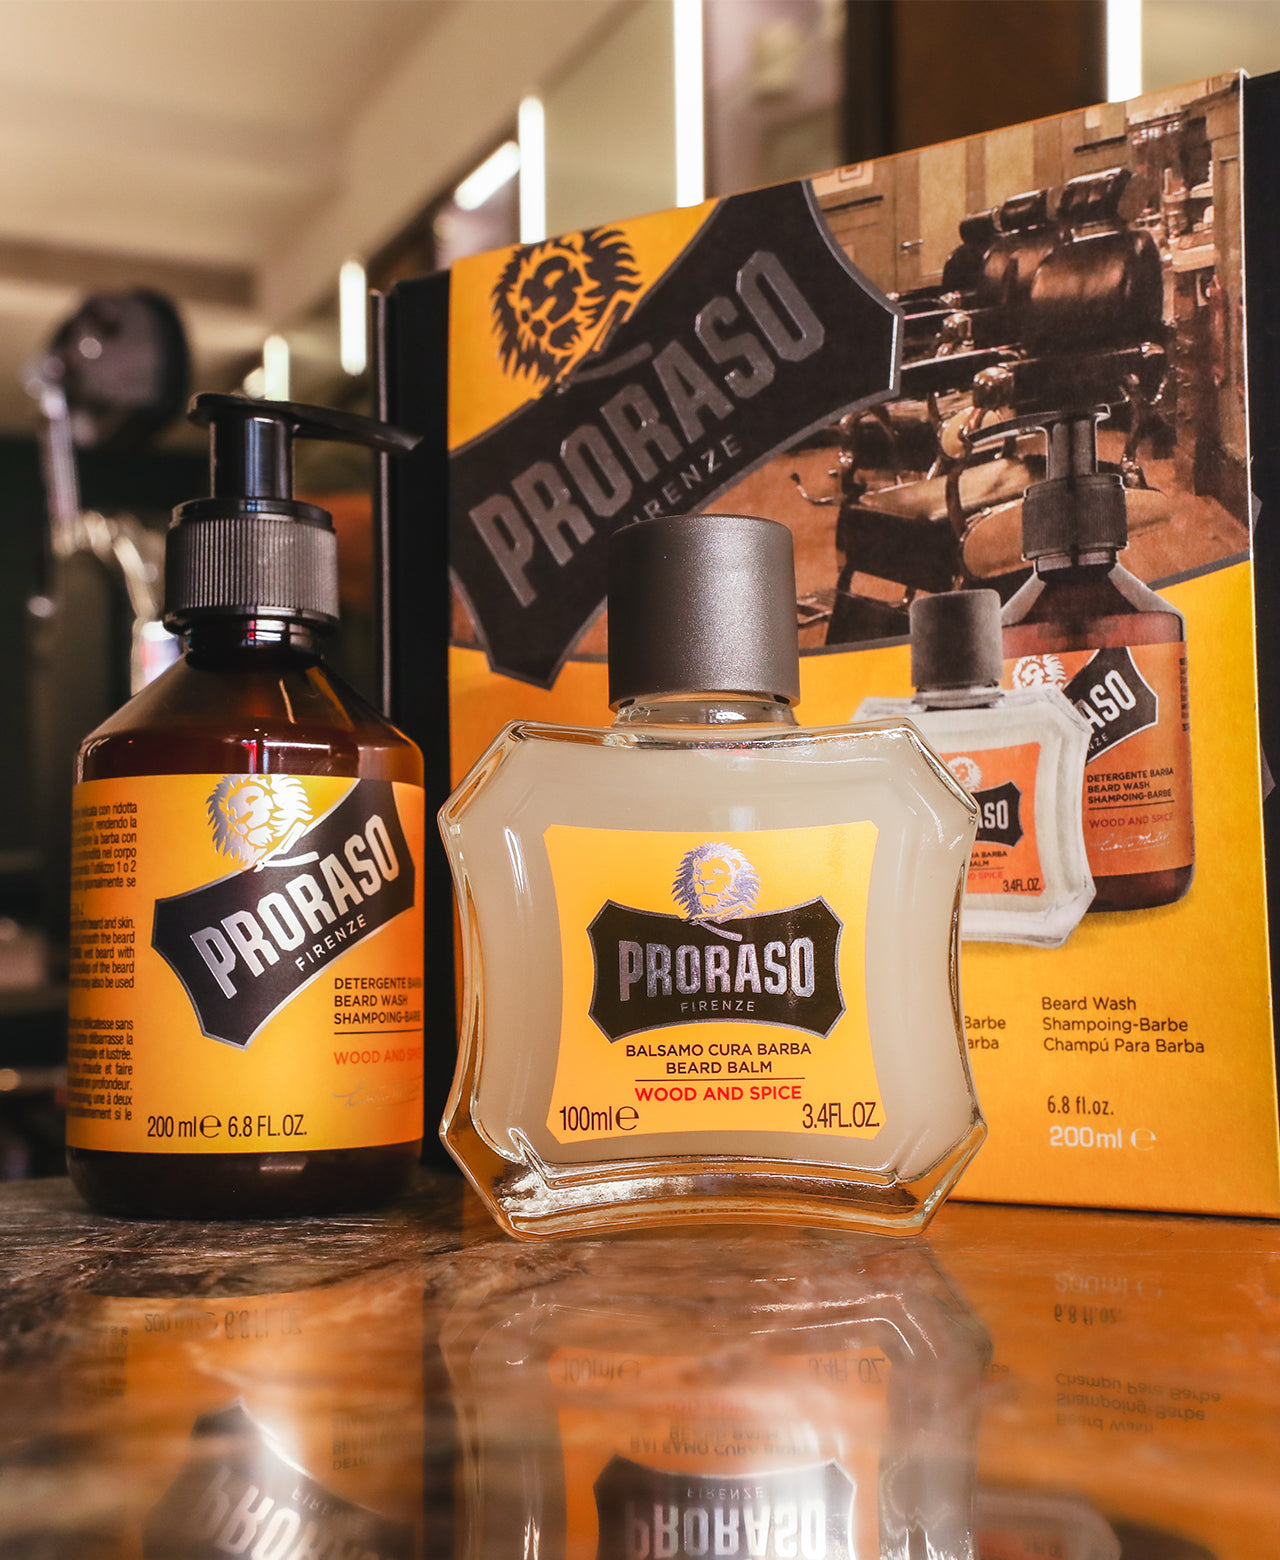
(711, 956)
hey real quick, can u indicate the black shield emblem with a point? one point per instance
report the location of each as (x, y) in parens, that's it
(1000, 814)
(243, 945)
(761, 1516)
(1113, 696)
(652, 971)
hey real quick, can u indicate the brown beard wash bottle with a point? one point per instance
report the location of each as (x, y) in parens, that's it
(1118, 651)
(245, 1034)
(711, 957)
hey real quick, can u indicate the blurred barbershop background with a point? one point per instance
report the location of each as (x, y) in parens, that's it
(199, 194)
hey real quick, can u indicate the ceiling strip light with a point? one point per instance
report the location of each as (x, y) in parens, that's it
(532, 129)
(275, 368)
(353, 317)
(497, 169)
(1124, 49)
(690, 154)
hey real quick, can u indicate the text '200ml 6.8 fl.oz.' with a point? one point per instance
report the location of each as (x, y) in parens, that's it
(246, 892)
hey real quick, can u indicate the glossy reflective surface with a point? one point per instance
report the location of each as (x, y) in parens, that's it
(1027, 1383)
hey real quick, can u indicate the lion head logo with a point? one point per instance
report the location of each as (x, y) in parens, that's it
(254, 817)
(716, 883)
(1038, 671)
(554, 299)
(965, 771)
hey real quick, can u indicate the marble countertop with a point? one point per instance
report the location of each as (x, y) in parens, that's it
(1022, 1384)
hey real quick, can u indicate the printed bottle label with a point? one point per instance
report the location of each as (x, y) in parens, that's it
(713, 983)
(1137, 778)
(1006, 855)
(246, 964)
(657, 1462)
(1036, 1537)
(644, 1511)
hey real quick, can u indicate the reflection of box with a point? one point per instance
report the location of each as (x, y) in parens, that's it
(1131, 1398)
(744, 356)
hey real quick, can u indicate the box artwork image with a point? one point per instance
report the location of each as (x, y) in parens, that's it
(997, 390)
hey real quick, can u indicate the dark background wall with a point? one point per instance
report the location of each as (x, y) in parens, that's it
(147, 484)
(922, 71)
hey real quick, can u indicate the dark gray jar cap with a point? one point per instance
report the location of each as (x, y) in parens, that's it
(702, 604)
(955, 640)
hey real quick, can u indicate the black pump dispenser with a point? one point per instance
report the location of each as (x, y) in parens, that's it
(247, 743)
(251, 549)
(1083, 616)
(1076, 508)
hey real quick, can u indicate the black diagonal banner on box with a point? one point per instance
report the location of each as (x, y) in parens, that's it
(760, 332)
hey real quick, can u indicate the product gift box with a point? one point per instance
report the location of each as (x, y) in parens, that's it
(1012, 377)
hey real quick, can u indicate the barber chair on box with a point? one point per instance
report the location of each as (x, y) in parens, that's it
(1067, 313)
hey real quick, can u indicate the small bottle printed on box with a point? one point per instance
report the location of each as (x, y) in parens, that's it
(245, 1036)
(1020, 753)
(711, 958)
(1085, 624)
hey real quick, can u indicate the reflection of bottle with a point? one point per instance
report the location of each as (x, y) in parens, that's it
(710, 955)
(242, 829)
(1118, 651)
(1020, 753)
(738, 1396)
(277, 1425)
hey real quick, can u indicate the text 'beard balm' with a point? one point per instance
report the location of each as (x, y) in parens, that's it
(1118, 651)
(246, 884)
(711, 957)
(1020, 753)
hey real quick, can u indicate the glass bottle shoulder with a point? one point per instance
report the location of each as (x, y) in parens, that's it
(746, 777)
(998, 716)
(861, 738)
(260, 712)
(1047, 704)
(1090, 599)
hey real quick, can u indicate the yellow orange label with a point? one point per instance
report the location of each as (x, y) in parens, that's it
(1137, 787)
(713, 982)
(1005, 858)
(246, 964)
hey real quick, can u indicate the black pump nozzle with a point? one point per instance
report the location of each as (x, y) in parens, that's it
(251, 549)
(1077, 508)
(251, 442)
(1073, 443)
